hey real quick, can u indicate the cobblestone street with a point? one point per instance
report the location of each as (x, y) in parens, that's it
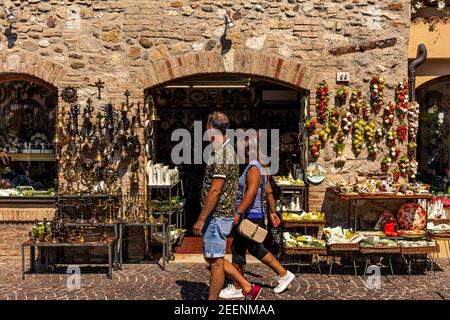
(189, 281)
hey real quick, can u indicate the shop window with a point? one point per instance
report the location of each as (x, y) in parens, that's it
(434, 134)
(27, 155)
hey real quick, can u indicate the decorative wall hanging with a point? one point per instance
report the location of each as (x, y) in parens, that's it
(402, 98)
(402, 132)
(310, 125)
(340, 149)
(403, 165)
(322, 98)
(366, 110)
(69, 95)
(377, 93)
(334, 122)
(386, 163)
(388, 115)
(413, 120)
(356, 102)
(315, 146)
(346, 123)
(358, 136)
(341, 95)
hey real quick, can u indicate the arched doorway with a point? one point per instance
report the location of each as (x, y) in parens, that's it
(434, 133)
(249, 102)
(28, 110)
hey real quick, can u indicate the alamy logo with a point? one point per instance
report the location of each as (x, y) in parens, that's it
(374, 279)
(249, 145)
(74, 280)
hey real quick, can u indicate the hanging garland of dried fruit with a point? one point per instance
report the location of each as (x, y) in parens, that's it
(365, 110)
(402, 98)
(388, 115)
(310, 126)
(334, 122)
(403, 165)
(402, 132)
(346, 122)
(394, 153)
(341, 95)
(413, 166)
(377, 93)
(323, 135)
(340, 147)
(395, 174)
(356, 102)
(412, 147)
(315, 146)
(379, 134)
(391, 136)
(322, 98)
(369, 133)
(386, 163)
(413, 120)
(358, 136)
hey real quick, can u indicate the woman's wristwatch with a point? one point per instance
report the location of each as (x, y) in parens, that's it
(237, 212)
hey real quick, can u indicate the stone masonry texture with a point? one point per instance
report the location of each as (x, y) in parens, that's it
(141, 44)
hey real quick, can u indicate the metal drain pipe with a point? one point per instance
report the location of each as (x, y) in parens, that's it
(421, 57)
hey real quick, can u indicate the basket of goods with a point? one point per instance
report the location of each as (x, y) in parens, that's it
(418, 247)
(339, 239)
(378, 245)
(412, 216)
(291, 219)
(295, 243)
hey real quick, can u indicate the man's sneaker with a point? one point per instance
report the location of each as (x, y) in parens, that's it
(284, 282)
(254, 293)
(230, 292)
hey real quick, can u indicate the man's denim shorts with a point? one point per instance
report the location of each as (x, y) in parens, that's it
(215, 234)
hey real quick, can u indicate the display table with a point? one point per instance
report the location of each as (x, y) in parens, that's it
(109, 244)
(353, 202)
(340, 248)
(445, 237)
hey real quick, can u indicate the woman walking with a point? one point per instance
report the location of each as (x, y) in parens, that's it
(254, 188)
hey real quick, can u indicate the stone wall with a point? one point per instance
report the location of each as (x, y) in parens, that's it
(138, 44)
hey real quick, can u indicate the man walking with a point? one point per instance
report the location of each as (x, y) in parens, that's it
(218, 201)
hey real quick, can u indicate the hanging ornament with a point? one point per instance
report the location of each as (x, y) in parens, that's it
(365, 110)
(335, 114)
(379, 134)
(402, 132)
(403, 165)
(391, 136)
(358, 136)
(394, 153)
(322, 98)
(395, 174)
(388, 115)
(413, 120)
(340, 148)
(341, 95)
(412, 147)
(413, 166)
(386, 163)
(377, 93)
(346, 122)
(402, 98)
(315, 146)
(310, 126)
(356, 102)
(324, 135)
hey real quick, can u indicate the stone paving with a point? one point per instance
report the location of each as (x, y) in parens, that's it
(189, 281)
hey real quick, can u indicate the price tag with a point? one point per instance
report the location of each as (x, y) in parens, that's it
(342, 76)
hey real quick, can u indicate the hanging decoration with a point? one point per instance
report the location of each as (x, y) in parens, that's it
(403, 165)
(388, 115)
(356, 102)
(412, 147)
(322, 98)
(310, 125)
(315, 146)
(379, 134)
(413, 166)
(395, 174)
(391, 136)
(341, 95)
(394, 153)
(346, 122)
(324, 135)
(402, 98)
(334, 118)
(402, 132)
(386, 163)
(413, 120)
(369, 133)
(377, 93)
(366, 111)
(340, 148)
(358, 136)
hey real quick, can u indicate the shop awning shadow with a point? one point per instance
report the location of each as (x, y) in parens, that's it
(193, 290)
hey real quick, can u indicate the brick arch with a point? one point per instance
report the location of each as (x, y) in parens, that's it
(32, 67)
(246, 62)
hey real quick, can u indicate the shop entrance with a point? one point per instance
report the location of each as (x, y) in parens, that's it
(27, 110)
(434, 133)
(249, 102)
